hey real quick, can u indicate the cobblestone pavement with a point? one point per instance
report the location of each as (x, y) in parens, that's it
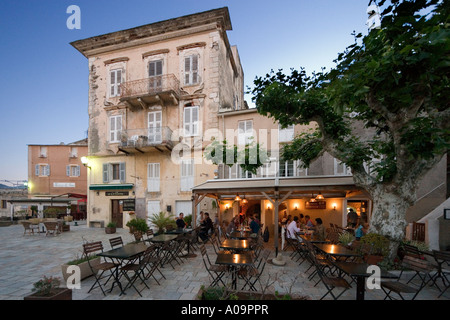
(24, 259)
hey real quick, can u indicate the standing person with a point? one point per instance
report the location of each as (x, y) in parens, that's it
(202, 217)
(352, 218)
(254, 225)
(181, 224)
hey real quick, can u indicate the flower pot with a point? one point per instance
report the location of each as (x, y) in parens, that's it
(56, 294)
(110, 230)
(85, 270)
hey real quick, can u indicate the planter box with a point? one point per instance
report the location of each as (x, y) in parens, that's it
(59, 294)
(252, 295)
(65, 228)
(85, 270)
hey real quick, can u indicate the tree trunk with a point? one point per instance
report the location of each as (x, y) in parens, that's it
(388, 217)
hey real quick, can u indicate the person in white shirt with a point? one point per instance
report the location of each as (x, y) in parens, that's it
(293, 228)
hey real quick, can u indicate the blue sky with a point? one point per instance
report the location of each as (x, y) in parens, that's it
(44, 83)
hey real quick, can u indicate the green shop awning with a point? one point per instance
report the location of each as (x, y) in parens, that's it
(122, 186)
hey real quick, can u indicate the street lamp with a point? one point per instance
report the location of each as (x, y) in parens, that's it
(84, 161)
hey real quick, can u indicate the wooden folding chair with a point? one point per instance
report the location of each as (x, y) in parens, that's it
(93, 248)
(253, 273)
(215, 271)
(116, 242)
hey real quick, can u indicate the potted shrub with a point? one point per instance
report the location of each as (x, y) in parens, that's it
(138, 227)
(110, 228)
(374, 247)
(49, 289)
(83, 264)
(188, 220)
(162, 220)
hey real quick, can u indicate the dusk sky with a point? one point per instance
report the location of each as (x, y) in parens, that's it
(44, 83)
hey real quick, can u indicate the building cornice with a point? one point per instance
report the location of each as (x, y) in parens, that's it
(159, 31)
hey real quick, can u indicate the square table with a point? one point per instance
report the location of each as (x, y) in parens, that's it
(235, 245)
(235, 260)
(359, 271)
(336, 250)
(126, 252)
(163, 238)
(240, 235)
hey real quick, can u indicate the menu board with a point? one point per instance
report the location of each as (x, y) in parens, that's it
(129, 205)
(319, 204)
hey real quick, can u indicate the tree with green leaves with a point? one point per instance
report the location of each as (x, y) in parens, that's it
(383, 110)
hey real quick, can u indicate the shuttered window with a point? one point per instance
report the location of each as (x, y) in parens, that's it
(72, 171)
(245, 132)
(114, 172)
(191, 121)
(116, 80)
(115, 128)
(187, 175)
(286, 134)
(154, 127)
(153, 181)
(191, 75)
(155, 73)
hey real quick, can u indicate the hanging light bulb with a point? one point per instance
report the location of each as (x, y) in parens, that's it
(312, 198)
(244, 200)
(237, 198)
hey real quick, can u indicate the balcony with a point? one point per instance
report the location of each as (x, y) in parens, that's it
(160, 90)
(146, 140)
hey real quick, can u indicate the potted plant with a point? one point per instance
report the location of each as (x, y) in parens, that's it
(138, 227)
(49, 289)
(110, 228)
(83, 264)
(346, 238)
(374, 247)
(162, 220)
(188, 220)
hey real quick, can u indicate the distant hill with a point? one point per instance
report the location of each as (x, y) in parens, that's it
(4, 186)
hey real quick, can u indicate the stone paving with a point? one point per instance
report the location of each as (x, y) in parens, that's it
(24, 259)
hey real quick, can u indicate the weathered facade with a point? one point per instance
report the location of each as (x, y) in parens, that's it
(155, 92)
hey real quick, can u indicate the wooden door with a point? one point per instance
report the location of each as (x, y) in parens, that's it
(117, 213)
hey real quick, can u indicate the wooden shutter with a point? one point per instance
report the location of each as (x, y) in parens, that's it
(122, 172)
(105, 173)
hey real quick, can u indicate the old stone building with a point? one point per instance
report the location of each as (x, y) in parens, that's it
(154, 93)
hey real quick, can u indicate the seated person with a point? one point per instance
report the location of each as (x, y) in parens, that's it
(319, 232)
(180, 221)
(293, 228)
(206, 225)
(309, 223)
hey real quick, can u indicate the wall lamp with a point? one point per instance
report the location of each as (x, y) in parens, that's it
(84, 161)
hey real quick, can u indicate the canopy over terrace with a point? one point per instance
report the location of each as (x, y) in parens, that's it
(276, 190)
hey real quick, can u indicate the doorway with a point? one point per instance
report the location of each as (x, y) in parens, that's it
(117, 213)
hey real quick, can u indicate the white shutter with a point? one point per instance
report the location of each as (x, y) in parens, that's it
(287, 134)
(154, 127)
(122, 172)
(36, 170)
(105, 173)
(153, 177)
(68, 171)
(78, 171)
(191, 68)
(191, 121)
(187, 175)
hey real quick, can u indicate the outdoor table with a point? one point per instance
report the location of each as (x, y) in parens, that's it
(240, 235)
(235, 245)
(359, 271)
(163, 238)
(234, 261)
(336, 251)
(311, 239)
(126, 252)
(180, 231)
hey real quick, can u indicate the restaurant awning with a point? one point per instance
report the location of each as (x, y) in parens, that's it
(121, 186)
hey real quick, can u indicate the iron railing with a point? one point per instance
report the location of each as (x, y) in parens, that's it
(150, 86)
